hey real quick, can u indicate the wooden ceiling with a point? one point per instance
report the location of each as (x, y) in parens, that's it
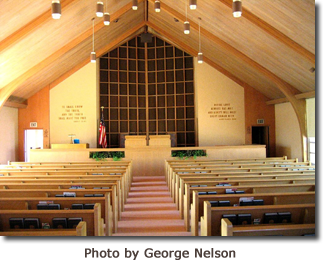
(273, 42)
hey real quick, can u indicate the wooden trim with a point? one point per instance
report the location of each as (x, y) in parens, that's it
(277, 101)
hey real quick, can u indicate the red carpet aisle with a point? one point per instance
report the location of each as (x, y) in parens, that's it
(150, 211)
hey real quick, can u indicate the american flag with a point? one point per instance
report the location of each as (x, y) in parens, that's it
(102, 137)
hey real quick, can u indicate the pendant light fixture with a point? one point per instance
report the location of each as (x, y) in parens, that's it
(99, 9)
(200, 54)
(193, 4)
(106, 16)
(93, 54)
(135, 5)
(237, 8)
(157, 6)
(56, 10)
(186, 23)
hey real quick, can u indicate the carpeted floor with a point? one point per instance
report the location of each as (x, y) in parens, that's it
(150, 211)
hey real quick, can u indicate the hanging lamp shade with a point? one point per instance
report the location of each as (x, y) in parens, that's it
(106, 18)
(134, 4)
(157, 6)
(99, 9)
(200, 57)
(93, 57)
(193, 4)
(186, 27)
(237, 8)
(56, 10)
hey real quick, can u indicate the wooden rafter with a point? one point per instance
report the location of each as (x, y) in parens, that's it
(310, 94)
(278, 35)
(6, 91)
(30, 27)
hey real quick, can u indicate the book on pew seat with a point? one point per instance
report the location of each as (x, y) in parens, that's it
(98, 195)
(214, 203)
(42, 206)
(202, 193)
(88, 195)
(239, 192)
(73, 222)
(31, 223)
(77, 206)
(270, 218)
(258, 202)
(212, 193)
(59, 195)
(106, 188)
(96, 188)
(246, 203)
(54, 206)
(224, 203)
(89, 206)
(231, 217)
(284, 217)
(244, 219)
(69, 194)
(16, 223)
(59, 222)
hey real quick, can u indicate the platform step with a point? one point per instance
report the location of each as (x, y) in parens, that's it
(147, 183)
(149, 188)
(154, 234)
(151, 194)
(149, 206)
(149, 215)
(148, 178)
(143, 200)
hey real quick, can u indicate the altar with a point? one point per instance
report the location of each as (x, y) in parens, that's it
(148, 156)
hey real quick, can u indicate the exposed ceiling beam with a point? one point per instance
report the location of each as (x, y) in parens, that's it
(278, 35)
(30, 27)
(310, 94)
(6, 91)
(15, 104)
(282, 86)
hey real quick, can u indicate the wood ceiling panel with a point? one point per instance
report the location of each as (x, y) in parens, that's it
(16, 14)
(225, 59)
(252, 41)
(296, 19)
(80, 54)
(33, 45)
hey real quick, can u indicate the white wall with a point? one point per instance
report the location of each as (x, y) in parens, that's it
(310, 110)
(215, 91)
(74, 108)
(288, 135)
(8, 134)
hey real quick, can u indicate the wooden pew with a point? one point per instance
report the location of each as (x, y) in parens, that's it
(99, 186)
(92, 218)
(268, 198)
(248, 189)
(186, 198)
(80, 230)
(186, 164)
(227, 229)
(211, 221)
(50, 194)
(122, 189)
(179, 195)
(65, 203)
(264, 168)
(178, 162)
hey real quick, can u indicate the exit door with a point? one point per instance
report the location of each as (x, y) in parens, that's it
(260, 135)
(33, 140)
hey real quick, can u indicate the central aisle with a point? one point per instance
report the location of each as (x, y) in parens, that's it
(150, 211)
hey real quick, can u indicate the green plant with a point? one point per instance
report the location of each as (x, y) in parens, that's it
(185, 154)
(101, 156)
